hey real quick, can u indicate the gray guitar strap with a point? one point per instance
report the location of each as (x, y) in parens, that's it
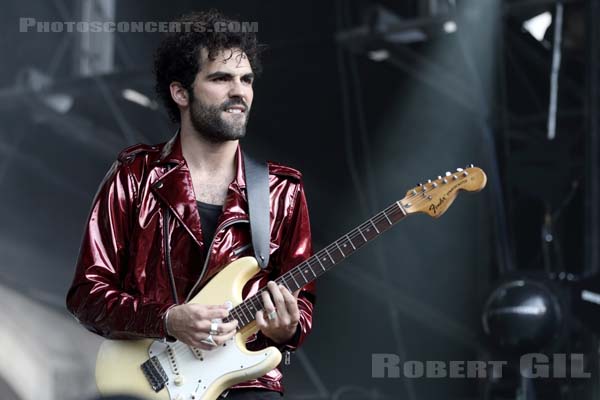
(259, 208)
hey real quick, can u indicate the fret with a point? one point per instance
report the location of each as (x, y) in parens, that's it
(241, 316)
(401, 208)
(374, 226)
(305, 272)
(311, 270)
(340, 249)
(329, 255)
(234, 314)
(286, 285)
(351, 244)
(320, 263)
(388, 218)
(256, 307)
(246, 311)
(361, 234)
(251, 306)
(303, 277)
(322, 267)
(294, 279)
(246, 316)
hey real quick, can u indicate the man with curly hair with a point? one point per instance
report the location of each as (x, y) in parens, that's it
(168, 218)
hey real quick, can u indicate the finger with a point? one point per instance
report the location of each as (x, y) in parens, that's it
(202, 326)
(200, 336)
(267, 303)
(224, 329)
(297, 292)
(291, 303)
(204, 346)
(204, 308)
(216, 313)
(201, 311)
(216, 306)
(260, 320)
(196, 340)
(277, 298)
(219, 340)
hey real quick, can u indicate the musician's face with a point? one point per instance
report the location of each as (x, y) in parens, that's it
(222, 96)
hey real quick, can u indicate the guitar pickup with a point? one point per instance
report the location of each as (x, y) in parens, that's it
(155, 374)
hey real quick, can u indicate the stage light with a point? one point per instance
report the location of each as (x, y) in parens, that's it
(450, 27)
(139, 98)
(379, 55)
(538, 25)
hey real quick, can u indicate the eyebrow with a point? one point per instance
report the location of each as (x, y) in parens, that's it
(219, 74)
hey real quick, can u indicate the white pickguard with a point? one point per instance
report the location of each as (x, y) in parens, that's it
(196, 375)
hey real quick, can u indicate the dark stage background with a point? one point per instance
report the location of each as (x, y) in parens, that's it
(365, 114)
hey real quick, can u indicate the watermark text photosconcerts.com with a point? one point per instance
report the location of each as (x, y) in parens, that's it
(531, 365)
(28, 24)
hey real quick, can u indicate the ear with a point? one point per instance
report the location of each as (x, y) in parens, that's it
(179, 94)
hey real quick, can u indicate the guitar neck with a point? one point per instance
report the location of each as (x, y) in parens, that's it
(324, 260)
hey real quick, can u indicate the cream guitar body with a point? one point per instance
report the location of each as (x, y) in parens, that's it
(189, 373)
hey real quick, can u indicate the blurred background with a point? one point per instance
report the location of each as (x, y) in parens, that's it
(367, 99)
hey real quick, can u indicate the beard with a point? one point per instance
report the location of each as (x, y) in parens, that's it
(209, 122)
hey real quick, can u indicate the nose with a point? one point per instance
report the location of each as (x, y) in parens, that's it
(238, 89)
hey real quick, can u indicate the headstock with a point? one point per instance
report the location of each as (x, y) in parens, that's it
(434, 197)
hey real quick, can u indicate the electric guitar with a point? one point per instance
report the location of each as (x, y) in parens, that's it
(156, 370)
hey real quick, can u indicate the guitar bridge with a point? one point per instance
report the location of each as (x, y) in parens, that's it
(154, 372)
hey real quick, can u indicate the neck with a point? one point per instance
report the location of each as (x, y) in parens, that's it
(206, 157)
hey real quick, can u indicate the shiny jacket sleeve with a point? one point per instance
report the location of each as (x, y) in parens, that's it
(296, 247)
(96, 297)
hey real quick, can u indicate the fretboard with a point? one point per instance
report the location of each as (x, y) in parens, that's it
(322, 261)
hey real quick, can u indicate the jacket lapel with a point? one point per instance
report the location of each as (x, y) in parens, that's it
(175, 188)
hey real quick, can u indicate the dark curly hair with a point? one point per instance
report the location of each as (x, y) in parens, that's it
(178, 56)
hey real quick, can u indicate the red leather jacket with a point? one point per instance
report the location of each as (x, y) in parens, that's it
(122, 289)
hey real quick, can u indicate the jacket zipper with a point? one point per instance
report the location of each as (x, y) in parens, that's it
(168, 255)
(220, 228)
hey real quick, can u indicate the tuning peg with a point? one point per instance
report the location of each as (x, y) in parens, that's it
(448, 173)
(413, 192)
(434, 184)
(459, 169)
(439, 178)
(428, 180)
(445, 180)
(470, 166)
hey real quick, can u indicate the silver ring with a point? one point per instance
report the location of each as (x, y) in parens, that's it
(214, 328)
(272, 315)
(209, 340)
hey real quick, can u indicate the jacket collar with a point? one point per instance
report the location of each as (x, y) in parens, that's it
(172, 154)
(175, 188)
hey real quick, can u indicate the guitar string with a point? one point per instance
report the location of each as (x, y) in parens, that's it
(178, 347)
(354, 234)
(296, 271)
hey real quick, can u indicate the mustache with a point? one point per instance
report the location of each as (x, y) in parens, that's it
(234, 102)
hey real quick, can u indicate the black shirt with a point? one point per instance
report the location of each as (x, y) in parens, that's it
(209, 215)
